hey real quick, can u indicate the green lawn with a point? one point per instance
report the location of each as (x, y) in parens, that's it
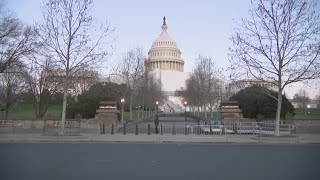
(135, 116)
(26, 111)
(308, 114)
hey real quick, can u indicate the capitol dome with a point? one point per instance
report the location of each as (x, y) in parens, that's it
(164, 53)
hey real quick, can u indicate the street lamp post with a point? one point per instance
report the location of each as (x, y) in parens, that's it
(139, 112)
(185, 111)
(122, 103)
(164, 109)
(157, 107)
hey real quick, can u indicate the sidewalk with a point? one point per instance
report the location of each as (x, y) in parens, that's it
(156, 138)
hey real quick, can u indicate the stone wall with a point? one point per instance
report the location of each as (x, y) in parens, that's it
(107, 117)
(44, 127)
(231, 115)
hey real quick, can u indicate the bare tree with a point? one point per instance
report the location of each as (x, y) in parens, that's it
(192, 92)
(302, 99)
(148, 90)
(70, 35)
(39, 83)
(132, 68)
(279, 42)
(318, 100)
(11, 85)
(204, 87)
(16, 40)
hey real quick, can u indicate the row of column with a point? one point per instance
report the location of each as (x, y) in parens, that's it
(167, 65)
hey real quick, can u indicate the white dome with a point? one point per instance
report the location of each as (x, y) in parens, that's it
(164, 53)
(164, 39)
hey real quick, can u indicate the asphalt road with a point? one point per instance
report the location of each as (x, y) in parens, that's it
(113, 161)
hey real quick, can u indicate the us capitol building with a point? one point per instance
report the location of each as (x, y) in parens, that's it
(164, 59)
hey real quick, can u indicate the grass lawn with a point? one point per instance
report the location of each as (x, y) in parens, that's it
(26, 111)
(135, 116)
(307, 114)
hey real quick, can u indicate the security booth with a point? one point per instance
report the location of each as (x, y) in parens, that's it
(230, 112)
(110, 105)
(107, 113)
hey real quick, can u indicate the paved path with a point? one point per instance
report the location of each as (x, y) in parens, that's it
(83, 161)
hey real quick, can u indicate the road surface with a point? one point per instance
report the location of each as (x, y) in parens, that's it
(132, 161)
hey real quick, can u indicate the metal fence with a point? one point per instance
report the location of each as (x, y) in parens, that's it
(264, 129)
(248, 129)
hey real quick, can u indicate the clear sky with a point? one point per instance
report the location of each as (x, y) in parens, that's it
(198, 26)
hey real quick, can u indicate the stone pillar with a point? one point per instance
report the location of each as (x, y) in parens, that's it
(107, 117)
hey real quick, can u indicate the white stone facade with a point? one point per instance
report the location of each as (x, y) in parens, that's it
(164, 59)
(235, 86)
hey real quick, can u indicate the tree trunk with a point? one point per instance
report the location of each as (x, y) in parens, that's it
(130, 106)
(64, 104)
(205, 111)
(7, 113)
(35, 108)
(277, 123)
(142, 106)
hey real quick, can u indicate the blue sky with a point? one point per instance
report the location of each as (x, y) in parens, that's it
(199, 27)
